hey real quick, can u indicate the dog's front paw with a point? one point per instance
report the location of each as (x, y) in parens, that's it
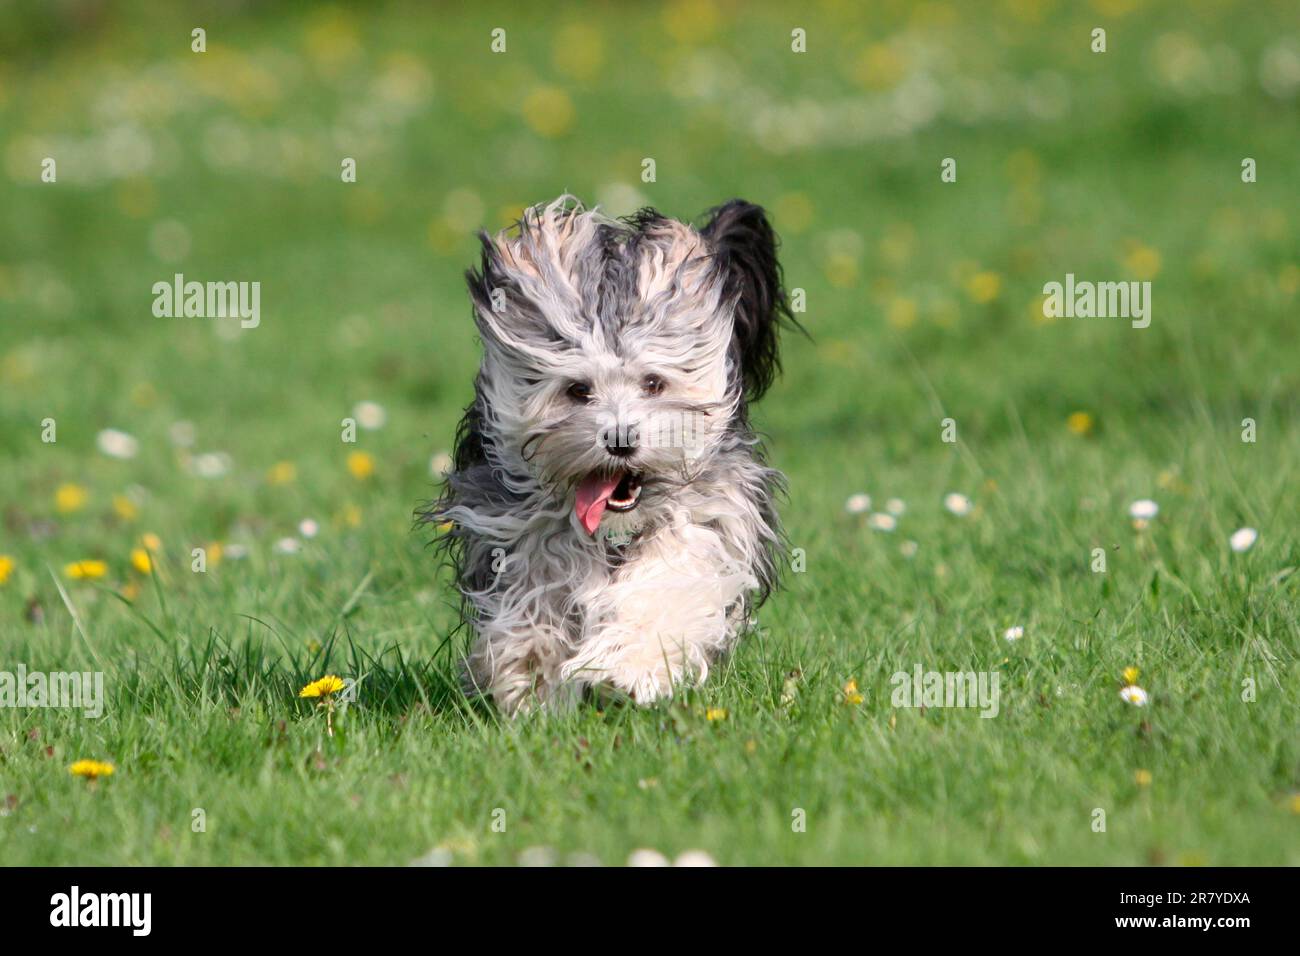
(650, 685)
(644, 674)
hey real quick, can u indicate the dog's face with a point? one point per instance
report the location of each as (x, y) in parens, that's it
(618, 354)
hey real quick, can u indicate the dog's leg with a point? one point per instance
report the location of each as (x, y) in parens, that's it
(520, 670)
(526, 625)
(666, 616)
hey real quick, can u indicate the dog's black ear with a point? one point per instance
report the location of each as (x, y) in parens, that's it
(744, 248)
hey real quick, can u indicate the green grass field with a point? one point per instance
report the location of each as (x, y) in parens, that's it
(923, 303)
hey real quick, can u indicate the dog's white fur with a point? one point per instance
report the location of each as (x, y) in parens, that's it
(659, 593)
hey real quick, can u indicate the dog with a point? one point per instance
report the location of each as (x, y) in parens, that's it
(609, 511)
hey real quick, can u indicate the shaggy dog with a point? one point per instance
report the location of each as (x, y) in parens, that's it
(612, 519)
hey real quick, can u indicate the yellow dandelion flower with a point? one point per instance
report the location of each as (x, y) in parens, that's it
(879, 67)
(1038, 311)
(136, 198)
(144, 394)
(509, 214)
(85, 570)
(141, 561)
(1142, 778)
(91, 769)
(794, 212)
(69, 497)
(852, 695)
(1023, 166)
(331, 39)
(361, 464)
(214, 553)
(1131, 675)
(282, 473)
(836, 351)
(983, 287)
(443, 237)
(841, 270)
(1295, 803)
(6, 567)
(901, 313)
(1142, 260)
(125, 508)
(549, 111)
(1288, 280)
(1080, 423)
(151, 542)
(322, 688)
(898, 244)
(691, 21)
(579, 51)
(715, 713)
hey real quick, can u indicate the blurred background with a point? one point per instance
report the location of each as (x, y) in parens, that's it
(923, 298)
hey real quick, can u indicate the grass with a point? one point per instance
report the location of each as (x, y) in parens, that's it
(921, 304)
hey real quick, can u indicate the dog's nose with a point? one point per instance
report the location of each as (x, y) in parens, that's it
(621, 443)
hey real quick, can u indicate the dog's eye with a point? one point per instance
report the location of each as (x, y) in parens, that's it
(653, 385)
(579, 392)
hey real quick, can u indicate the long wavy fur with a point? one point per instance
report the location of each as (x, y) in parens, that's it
(652, 601)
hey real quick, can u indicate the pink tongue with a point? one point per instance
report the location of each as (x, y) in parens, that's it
(593, 493)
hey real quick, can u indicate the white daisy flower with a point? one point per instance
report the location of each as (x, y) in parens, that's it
(288, 546)
(537, 856)
(211, 464)
(896, 506)
(645, 857)
(117, 444)
(882, 522)
(1135, 695)
(438, 856)
(308, 528)
(235, 552)
(857, 504)
(440, 465)
(957, 503)
(1144, 509)
(694, 858)
(1243, 539)
(620, 199)
(169, 240)
(370, 415)
(1014, 633)
(908, 549)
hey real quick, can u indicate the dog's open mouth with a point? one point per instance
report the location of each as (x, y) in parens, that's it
(617, 491)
